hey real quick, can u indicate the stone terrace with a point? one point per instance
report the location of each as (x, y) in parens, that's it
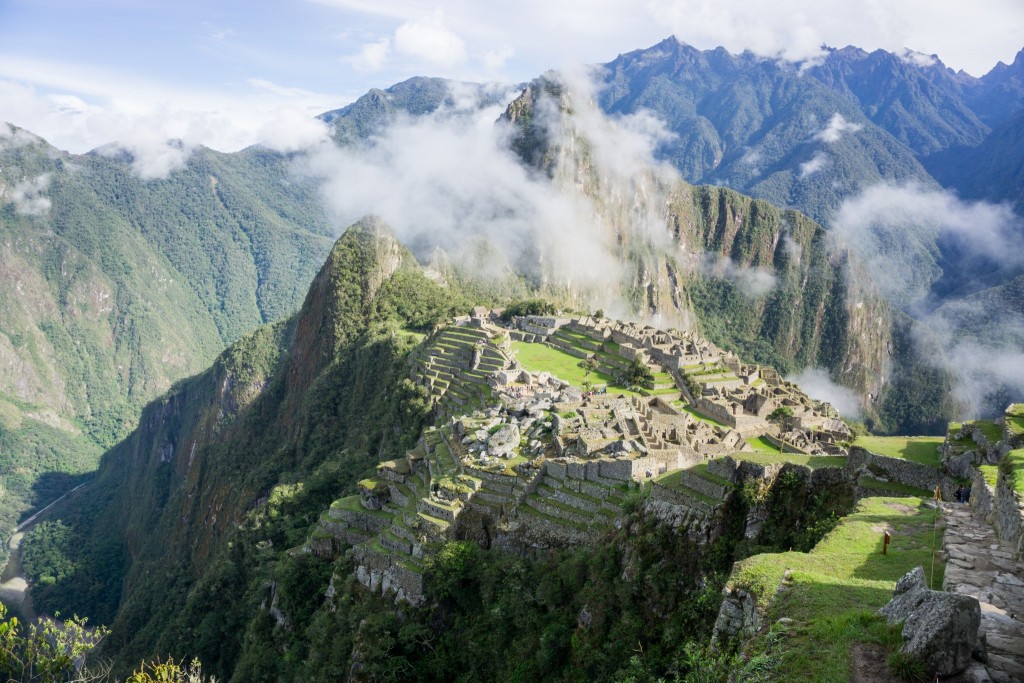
(455, 364)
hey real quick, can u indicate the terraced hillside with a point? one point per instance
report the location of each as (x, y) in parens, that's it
(534, 447)
(454, 365)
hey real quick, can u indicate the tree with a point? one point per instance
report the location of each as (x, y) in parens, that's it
(170, 672)
(46, 651)
(779, 417)
(588, 365)
(638, 374)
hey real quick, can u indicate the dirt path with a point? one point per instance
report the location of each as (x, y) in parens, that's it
(980, 566)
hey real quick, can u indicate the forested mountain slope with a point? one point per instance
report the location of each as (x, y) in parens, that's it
(113, 287)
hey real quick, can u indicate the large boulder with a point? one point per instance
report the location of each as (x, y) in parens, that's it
(939, 629)
(504, 441)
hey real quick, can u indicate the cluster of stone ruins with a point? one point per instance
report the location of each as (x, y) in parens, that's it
(525, 457)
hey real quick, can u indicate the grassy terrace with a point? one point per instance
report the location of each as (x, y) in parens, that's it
(991, 474)
(991, 430)
(673, 480)
(777, 458)
(702, 418)
(1015, 460)
(763, 445)
(352, 504)
(835, 590)
(920, 449)
(543, 358)
(1015, 418)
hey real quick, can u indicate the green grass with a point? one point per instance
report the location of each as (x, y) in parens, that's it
(1015, 461)
(777, 458)
(991, 474)
(761, 444)
(1015, 418)
(991, 430)
(701, 470)
(892, 488)
(543, 358)
(673, 480)
(702, 418)
(834, 591)
(919, 449)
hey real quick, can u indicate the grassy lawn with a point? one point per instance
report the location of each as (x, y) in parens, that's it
(543, 358)
(761, 444)
(920, 449)
(833, 591)
(778, 458)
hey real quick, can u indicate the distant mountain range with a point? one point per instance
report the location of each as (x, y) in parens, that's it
(750, 122)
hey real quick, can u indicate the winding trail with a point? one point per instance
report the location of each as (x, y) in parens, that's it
(980, 566)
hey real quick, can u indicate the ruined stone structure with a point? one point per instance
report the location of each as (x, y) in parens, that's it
(525, 460)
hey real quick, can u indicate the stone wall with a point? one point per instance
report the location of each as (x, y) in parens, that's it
(714, 410)
(1002, 508)
(738, 617)
(1009, 516)
(861, 461)
(382, 573)
(983, 497)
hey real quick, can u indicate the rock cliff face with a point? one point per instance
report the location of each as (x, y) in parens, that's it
(766, 282)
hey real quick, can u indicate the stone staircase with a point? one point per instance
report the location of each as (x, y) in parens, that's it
(980, 565)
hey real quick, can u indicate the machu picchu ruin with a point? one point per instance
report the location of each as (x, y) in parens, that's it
(520, 456)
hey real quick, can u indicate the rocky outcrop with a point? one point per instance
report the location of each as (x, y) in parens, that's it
(738, 617)
(939, 629)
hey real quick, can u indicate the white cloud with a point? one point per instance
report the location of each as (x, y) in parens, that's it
(13, 138)
(372, 56)
(430, 40)
(882, 215)
(755, 281)
(292, 130)
(918, 58)
(158, 128)
(816, 383)
(813, 165)
(792, 248)
(449, 180)
(496, 59)
(29, 196)
(893, 230)
(837, 126)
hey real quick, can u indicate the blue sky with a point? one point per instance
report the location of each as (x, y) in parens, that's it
(85, 72)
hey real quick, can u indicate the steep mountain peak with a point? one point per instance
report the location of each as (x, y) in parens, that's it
(340, 300)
